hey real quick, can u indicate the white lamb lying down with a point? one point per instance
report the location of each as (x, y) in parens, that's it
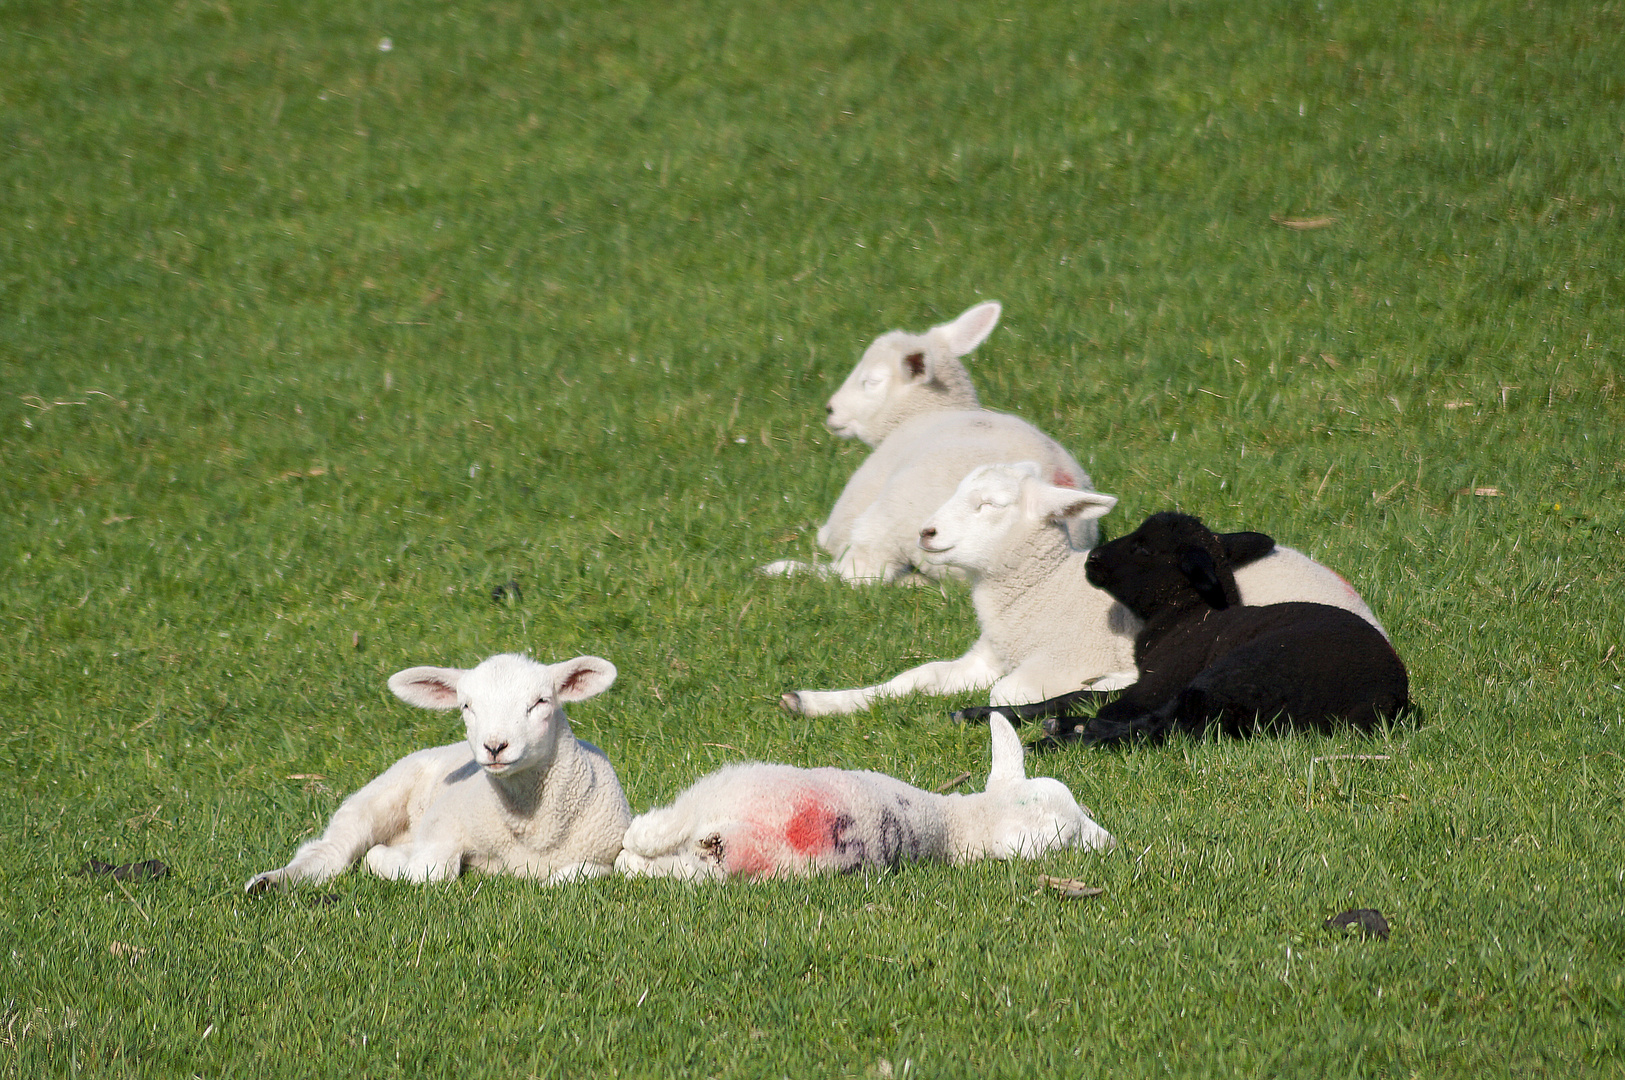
(753, 820)
(911, 398)
(1045, 629)
(521, 796)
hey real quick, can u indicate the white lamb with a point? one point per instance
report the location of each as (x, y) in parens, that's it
(521, 796)
(911, 398)
(753, 820)
(1045, 629)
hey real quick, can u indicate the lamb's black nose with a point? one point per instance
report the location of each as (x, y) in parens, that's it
(495, 750)
(927, 533)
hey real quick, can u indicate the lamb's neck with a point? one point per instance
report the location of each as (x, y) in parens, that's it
(925, 401)
(524, 794)
(966, 817)
(1035, 581)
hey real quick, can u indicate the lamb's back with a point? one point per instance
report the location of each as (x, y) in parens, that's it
(917, 467)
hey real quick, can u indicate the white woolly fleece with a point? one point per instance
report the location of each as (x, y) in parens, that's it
(754, 820)
(911, 398)
(522, 795)
(1045, 630)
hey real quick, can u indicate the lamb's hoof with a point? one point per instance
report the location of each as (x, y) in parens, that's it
(791, 702)
(259, 883)
(981, 714)
(1092, 732)
(1064, 729)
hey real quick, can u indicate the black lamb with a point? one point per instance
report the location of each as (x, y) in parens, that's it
(1204, 659)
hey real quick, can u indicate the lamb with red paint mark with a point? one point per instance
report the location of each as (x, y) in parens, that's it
(756, 820)
(911, 399)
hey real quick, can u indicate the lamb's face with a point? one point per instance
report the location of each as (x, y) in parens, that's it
(513, 715)
(1002, 516)
(975, 528)
(1040, 815)
(903, 374)
(859, 408)
(512, 706)
(1170, 559)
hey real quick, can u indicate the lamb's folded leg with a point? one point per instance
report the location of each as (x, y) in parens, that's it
(685, 865)
(657, 832)
(580, 871)
(1055, 706)
(417, 863)
(793, 567)
(1110, 726)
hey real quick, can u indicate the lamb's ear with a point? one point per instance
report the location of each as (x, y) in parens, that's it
(970, 329)
(427, 687)
(1050, 503)
(1241, 548)
(915, 366)
(1008, 766)
(1203, 574)
(582, 678)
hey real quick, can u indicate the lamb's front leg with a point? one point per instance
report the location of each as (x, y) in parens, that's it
(369, 816)
(793, 567)
(973, 671)
(1109, 729)
(580, 871)
(416, 862)
(1136, 714)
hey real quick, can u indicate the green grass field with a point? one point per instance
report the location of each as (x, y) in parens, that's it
(319, 322)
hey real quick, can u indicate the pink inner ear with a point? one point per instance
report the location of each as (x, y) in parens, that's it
(573, 680)
(439, 691)
(1062, 478)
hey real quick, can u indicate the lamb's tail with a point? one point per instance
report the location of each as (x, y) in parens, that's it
(373, 815)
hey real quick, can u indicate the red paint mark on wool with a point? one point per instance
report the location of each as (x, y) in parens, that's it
(1062, 478)
(810, 830)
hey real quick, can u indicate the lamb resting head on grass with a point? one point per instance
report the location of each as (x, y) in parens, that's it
(753, 820)
(522, 795)
(1045, 629)
(911, 398)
